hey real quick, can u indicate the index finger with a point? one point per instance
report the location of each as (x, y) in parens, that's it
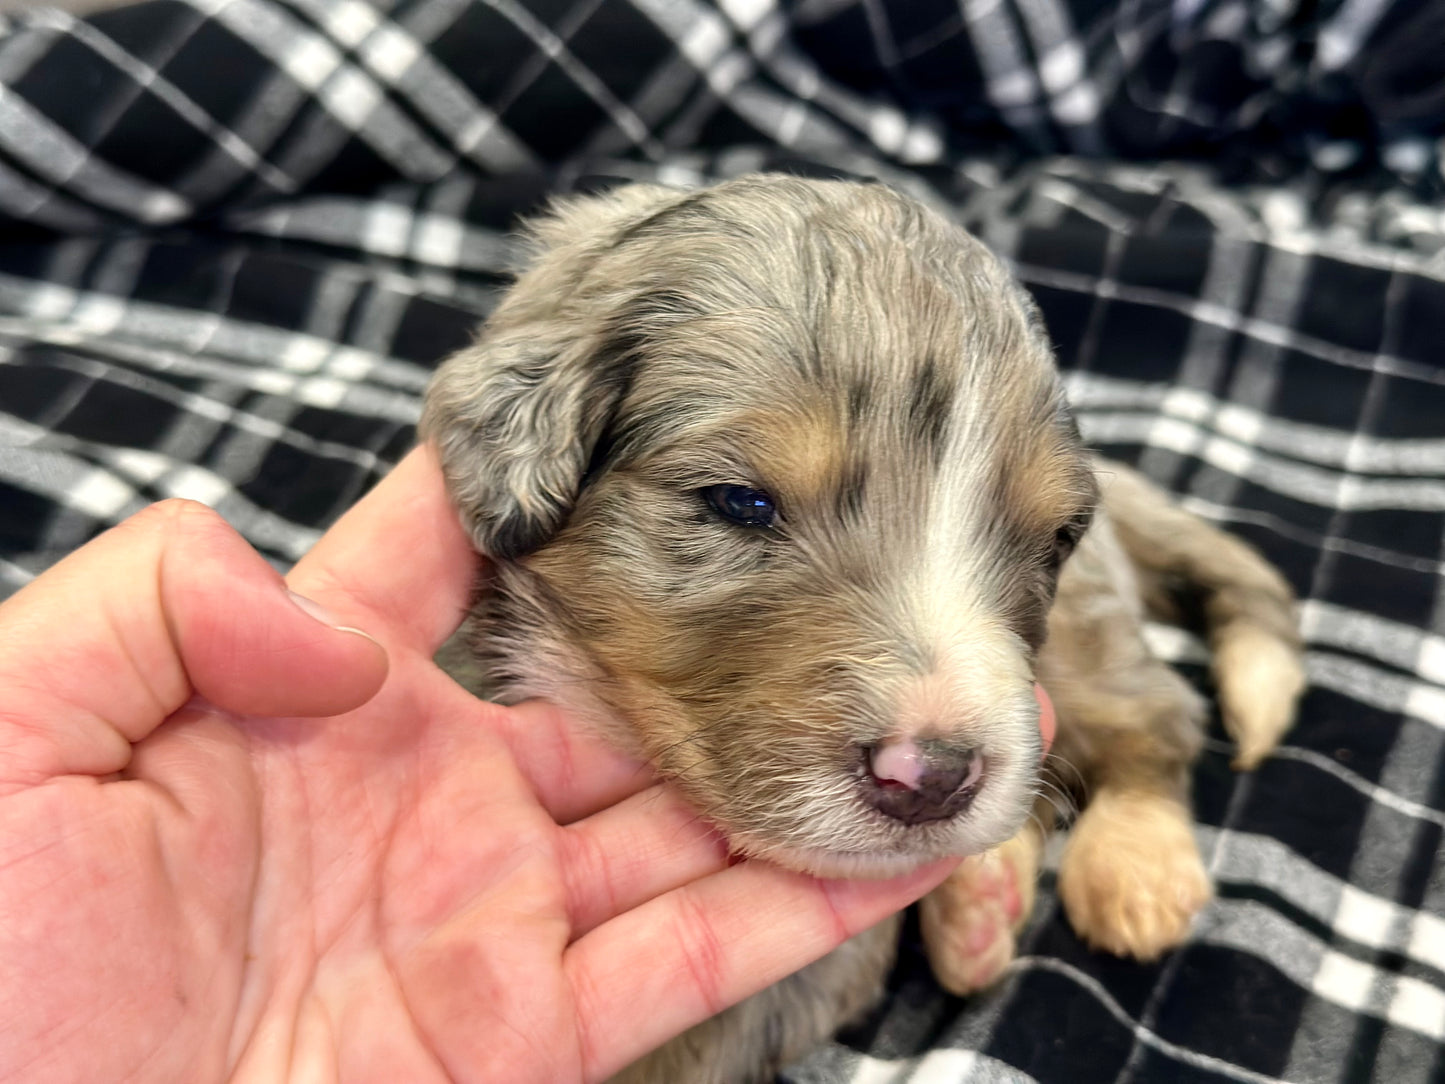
(398, 561)
(102, 647)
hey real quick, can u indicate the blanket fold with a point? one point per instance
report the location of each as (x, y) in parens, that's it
(236, 236)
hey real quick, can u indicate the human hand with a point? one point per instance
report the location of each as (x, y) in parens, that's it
(197, 882)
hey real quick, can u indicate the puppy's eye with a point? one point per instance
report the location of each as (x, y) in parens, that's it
(1066, 538)
(741, 505)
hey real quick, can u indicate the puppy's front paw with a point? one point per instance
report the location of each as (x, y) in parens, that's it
(1131, 877)
(970, 920)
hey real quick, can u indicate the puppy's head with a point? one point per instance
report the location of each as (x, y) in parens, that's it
(778, 478)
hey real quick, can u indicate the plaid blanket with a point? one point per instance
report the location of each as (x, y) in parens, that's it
(236, 236)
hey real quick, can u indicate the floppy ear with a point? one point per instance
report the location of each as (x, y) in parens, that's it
(516, 415)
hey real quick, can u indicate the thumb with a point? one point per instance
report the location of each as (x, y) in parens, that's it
(99, 650)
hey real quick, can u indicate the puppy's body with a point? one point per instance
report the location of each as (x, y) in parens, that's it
(780, 481)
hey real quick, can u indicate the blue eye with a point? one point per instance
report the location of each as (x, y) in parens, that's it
(741, 505)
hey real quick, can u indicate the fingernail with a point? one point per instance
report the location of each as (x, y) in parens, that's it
(313, 609)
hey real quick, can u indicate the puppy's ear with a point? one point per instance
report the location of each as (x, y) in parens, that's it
(515, 416)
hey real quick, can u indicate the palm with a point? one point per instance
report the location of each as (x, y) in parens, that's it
(388, 837)
(419, 830)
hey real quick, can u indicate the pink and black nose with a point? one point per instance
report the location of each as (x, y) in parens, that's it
(917, 781)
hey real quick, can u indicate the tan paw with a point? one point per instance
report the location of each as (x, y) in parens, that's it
(1260, 678)
(970, 920)
(1131, 877)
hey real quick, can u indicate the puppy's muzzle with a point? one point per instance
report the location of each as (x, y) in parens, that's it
(917, 781)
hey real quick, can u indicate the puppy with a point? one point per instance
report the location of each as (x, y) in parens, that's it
(779, 487)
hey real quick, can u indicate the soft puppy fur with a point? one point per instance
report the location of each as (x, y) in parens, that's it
(779, 485)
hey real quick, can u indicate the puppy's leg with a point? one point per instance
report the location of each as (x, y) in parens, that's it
(970, 921)
(750, 1042)
(1247, 608)
(1131, 878)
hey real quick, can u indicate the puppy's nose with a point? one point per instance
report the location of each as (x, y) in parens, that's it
(918, 781)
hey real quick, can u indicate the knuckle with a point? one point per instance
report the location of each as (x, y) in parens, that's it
(176, 519)
(701, 953)
(589, 877)
(177, 515)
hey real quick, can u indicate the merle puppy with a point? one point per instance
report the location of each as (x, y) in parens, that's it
(781, 494)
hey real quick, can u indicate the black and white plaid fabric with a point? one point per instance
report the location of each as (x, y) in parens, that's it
(236, 236)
